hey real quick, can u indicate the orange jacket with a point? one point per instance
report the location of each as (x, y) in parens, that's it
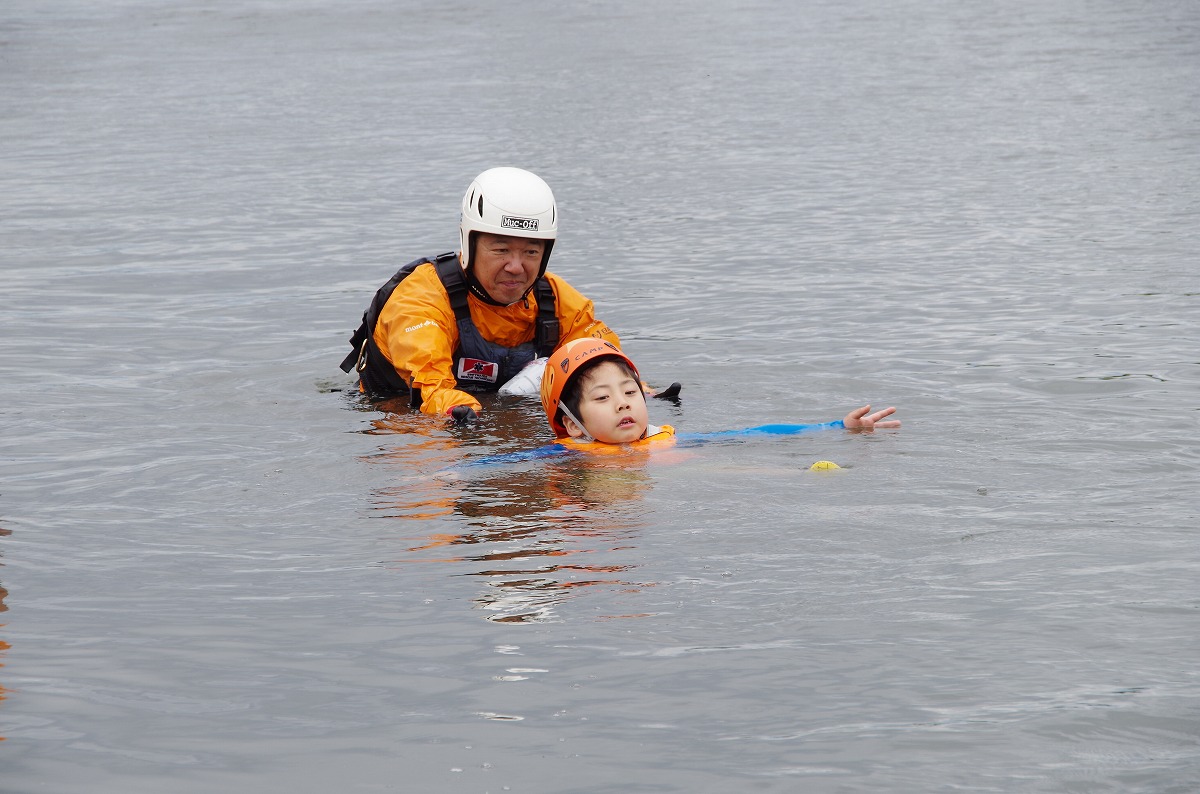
(418, 334)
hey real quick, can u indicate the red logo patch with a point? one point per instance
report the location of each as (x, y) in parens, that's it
(478, 370)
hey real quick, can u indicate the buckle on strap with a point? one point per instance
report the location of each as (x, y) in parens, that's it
(361, 364)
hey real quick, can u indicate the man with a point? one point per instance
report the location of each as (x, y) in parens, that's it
(459, 324)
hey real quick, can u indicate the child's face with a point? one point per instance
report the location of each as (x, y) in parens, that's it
(611, 406)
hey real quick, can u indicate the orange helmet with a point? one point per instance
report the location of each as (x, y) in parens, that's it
(561, 368)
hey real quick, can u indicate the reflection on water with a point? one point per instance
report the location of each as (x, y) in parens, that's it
(525, 526)
(523, 530)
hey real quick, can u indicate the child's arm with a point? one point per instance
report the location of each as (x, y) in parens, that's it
(759, 430)
(861, 419)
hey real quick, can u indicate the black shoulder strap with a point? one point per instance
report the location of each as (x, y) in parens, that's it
(362, 335)
(451, 275)
(546, 337)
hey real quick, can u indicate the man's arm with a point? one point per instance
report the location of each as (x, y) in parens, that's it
(417, 333)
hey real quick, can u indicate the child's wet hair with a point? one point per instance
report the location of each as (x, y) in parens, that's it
(573, 391)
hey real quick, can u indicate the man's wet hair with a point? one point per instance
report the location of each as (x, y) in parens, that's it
(573, 391)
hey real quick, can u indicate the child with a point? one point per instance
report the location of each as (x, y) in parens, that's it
(595, 403)
(592, 395)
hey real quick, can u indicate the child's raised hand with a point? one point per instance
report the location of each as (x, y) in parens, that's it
(862, 419)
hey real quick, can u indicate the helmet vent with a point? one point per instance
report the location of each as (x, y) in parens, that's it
(480, 205)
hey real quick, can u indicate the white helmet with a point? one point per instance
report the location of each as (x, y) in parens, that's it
(512, 202)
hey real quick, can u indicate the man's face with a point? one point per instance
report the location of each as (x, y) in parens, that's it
(507, 266)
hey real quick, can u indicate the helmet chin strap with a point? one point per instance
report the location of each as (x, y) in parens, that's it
(477, 289)
(567, 413)
(479, 292)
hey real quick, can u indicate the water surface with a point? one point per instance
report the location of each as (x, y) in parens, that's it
(222, 570)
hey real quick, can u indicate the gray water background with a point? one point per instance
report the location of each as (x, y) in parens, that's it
(224, 572)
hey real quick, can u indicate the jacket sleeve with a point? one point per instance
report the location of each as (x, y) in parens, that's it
(417, 333)
(760, 430)
(577, 315)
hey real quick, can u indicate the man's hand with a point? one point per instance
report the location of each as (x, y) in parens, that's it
(861, 419)
(465, 415)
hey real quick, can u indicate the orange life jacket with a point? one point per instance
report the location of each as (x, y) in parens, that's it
(656, 437)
